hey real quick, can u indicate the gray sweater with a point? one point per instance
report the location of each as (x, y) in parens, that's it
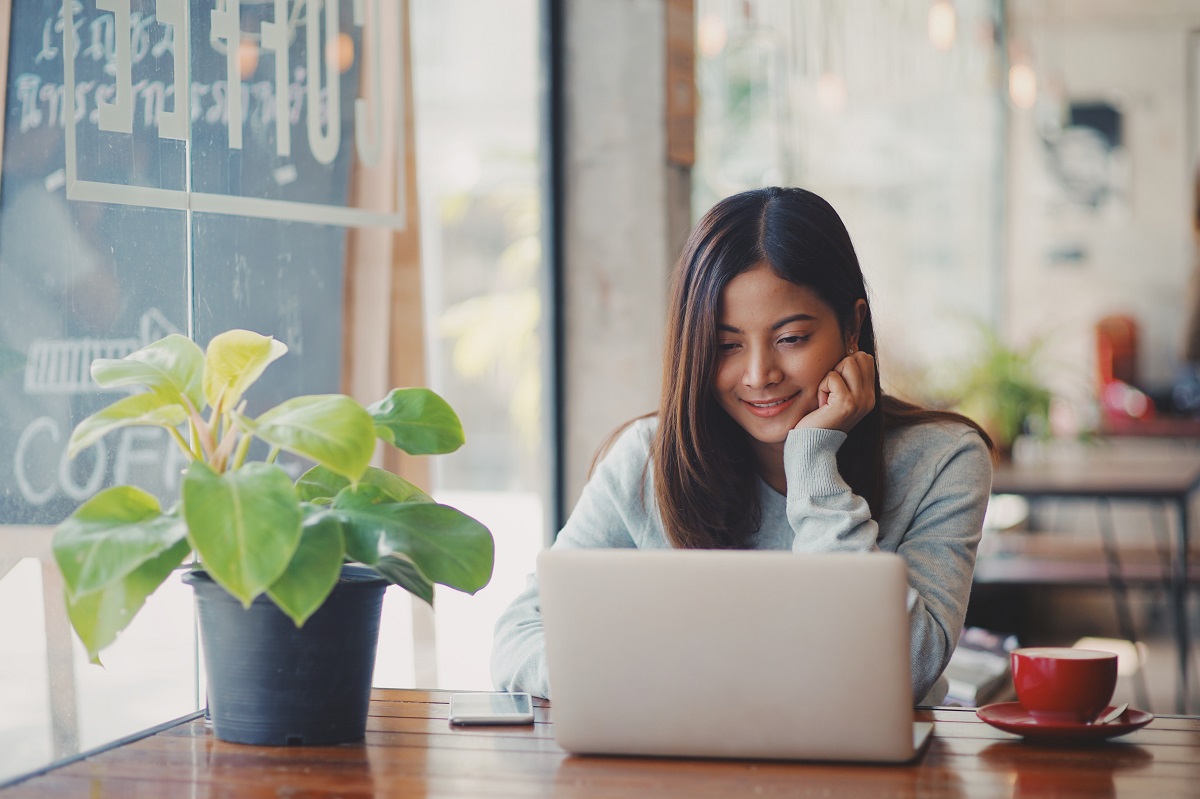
(939, 479)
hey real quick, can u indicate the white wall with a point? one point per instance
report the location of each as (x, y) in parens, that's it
(1135, 253)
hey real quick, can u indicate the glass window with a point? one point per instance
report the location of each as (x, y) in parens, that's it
(191, 167)
(79, 280)
(477, 78)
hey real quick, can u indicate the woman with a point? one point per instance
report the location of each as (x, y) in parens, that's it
(773, 433)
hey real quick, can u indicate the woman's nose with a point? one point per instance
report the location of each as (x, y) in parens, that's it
(761, 369)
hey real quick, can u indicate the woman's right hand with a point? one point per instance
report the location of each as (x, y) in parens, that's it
(845, 396)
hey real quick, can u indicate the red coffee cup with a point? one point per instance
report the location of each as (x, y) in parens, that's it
(1060, 684)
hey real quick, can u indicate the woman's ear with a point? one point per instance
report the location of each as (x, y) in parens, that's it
(860, 313)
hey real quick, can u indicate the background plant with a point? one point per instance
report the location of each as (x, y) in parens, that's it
(252, 529)
(1000, 388)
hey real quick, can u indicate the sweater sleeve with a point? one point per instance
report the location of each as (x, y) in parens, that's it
(610, 513)
(938, 545)
(824, 513)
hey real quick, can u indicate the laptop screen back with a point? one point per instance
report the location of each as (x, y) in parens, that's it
(728, 653)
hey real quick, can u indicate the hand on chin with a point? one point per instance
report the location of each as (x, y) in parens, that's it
(845, 396)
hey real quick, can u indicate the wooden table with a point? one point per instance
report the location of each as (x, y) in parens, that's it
(411, 750)
(1109, 471)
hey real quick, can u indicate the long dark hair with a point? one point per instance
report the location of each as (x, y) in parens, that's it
(705, 476)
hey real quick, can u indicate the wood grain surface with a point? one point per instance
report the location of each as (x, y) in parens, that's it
(411, 750)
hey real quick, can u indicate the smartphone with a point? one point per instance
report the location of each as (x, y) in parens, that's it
(491, 708)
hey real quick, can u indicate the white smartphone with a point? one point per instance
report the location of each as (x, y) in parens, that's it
(491, 708)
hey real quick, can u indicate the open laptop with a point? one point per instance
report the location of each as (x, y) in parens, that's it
(741, 654)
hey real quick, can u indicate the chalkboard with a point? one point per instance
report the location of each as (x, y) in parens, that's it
(126, 215)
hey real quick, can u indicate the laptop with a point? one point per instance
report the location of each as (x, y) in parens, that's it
(729, 654)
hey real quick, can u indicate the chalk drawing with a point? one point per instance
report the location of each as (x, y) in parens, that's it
(63, 366)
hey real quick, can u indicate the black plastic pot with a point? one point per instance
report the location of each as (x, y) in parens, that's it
(272, 684)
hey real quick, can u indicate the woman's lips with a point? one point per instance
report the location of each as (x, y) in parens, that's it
(765, 409)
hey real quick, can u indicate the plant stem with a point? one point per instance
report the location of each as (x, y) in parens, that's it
(272, 455)
(194, 439)
(221, 456)
(243, 447)
(183, 445)
(202, 430)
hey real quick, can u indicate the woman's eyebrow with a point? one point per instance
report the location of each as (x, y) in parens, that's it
(787, 320)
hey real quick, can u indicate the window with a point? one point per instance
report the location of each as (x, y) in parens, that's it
(282, 195)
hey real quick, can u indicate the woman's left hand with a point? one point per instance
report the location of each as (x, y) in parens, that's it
(845, 395)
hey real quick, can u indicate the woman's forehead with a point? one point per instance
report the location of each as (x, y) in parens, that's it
(759, 291)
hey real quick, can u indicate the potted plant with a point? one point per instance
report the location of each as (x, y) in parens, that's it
(279, 564)
(1001, 390)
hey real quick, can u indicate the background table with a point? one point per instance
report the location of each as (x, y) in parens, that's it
(411, 750)
(1112, 471)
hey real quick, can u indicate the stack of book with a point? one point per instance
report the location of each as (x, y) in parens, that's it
(979, 671)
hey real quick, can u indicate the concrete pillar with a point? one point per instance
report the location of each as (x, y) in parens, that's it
(626, 210)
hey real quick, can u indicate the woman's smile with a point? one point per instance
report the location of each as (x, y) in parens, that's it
(768, 408)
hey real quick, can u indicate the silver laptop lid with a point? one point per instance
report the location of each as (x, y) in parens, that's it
(728, 653)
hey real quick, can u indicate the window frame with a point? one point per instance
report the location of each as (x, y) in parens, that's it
(5, 18)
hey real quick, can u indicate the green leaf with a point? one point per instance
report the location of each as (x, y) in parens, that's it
(140, 409)
(1001, 389)
(313, 570)
(235, 359)
(98, 617)
(319, 484)
(404, 573)
(448, 546)
(244, 524)
(395, 568)
(331, 429)
(110, 536)
(417, 421)
(170, 367)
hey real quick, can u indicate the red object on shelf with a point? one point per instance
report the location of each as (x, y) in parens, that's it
(1117, 370)
(1116, 349)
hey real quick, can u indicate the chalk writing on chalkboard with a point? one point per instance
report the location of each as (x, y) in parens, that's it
(99, 253)
(63, 366)
(306, 86)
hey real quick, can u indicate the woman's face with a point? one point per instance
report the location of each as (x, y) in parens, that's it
(776, 341)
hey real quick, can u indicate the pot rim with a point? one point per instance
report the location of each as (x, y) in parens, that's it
(352, 573)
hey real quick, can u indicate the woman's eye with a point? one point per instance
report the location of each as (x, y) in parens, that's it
(793, 339)
(727, 346)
